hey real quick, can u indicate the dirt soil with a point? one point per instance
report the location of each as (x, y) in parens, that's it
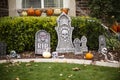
(97, 56)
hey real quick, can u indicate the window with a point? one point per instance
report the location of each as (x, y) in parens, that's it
(42, 3)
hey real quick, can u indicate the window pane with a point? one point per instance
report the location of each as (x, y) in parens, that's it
(53, 3)
(31, 3)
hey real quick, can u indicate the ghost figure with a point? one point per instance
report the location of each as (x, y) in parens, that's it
(65, 34)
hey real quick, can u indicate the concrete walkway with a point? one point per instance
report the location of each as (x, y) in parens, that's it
(76, 61)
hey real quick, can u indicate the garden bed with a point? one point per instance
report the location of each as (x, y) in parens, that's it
(97, 56)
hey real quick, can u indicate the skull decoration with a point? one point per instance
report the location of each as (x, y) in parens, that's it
(104, 50)
(43, 36)
(65, 34)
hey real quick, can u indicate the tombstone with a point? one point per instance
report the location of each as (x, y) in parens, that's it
(77, 45)
(3, 48)
(64, 32)
(102, 43)
(42, 42)
(84, 47)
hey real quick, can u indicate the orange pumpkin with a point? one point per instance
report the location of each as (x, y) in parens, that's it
(118, 28)
(114, 27)
(49, 12)
(65, 10)
(89, 55)
(31, 12)
(38, 12)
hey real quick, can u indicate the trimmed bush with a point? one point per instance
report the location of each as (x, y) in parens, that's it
(19, 32)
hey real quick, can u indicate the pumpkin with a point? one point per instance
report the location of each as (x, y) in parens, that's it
(114, 26)
(118, 28)
(31, 12)
(49, 12)
(89, 55)
(57, 11)
(38, 12)
(65, 10)
(46, 54)
(24, 13)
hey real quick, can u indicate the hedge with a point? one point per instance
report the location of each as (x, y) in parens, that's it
(19, 32)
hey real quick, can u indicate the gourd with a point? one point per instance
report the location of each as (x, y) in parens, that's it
(65, 10)
(57, 11)
(31, 12)
(24, 13)
(38, 12)
(49, 12)
(46, 54)
(89, 55)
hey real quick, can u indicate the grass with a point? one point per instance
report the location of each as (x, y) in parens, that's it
(56, 71)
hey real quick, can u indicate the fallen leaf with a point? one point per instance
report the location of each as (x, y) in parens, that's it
(76, 69)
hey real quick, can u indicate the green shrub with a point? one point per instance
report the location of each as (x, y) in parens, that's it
(112, 42)
(19, 32)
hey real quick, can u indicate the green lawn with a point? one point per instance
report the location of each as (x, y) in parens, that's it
(56, 71)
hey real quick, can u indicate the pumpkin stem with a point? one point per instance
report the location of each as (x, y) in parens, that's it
(116, 23)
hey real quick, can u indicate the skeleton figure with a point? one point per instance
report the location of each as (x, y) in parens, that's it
(105, 52)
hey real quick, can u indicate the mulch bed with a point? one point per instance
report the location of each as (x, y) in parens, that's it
(97, 56)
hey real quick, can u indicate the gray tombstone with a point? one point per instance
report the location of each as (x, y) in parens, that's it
(42, 41)
(84, 47)
(102, 43)
(3, 48)
(64, 32)
(77, 45)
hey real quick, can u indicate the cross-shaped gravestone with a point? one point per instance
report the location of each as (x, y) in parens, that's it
(64, 32)
(84, 47)
(42, 41)
(3, 48)
(102, 43)
(77, 45)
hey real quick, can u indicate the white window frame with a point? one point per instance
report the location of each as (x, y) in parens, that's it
(43, 6)
(19, 4)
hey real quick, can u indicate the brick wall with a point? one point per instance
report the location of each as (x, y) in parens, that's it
(3, 8)
(82, 7)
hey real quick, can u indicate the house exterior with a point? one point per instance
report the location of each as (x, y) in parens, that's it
(11, 7)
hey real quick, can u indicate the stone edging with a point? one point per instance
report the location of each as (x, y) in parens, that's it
(76, 61)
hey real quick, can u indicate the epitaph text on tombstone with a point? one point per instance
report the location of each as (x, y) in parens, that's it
(42, 41)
